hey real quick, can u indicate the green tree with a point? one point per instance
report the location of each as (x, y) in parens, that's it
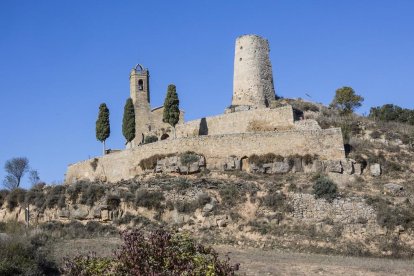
(171, 107)
(128, 122)
(346, 101)
(15, 168)
(103, 129)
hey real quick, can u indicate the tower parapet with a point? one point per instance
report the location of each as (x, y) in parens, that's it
(253, 79)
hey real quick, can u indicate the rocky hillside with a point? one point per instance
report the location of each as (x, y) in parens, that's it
(358, 206)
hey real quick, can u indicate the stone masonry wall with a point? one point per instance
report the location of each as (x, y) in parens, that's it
(255, 120)
(341, 210)
(327, 144)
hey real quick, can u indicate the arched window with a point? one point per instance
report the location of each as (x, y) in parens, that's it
(140, 85)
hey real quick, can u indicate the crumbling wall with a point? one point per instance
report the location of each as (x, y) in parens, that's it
(327, 144)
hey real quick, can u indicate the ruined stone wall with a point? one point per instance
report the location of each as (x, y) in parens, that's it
(253, 77)
(256, 120)
(342, 210)
(327, 144)
(158, 127)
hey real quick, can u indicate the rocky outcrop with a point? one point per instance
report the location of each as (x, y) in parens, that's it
(174, 164)
(394, 189)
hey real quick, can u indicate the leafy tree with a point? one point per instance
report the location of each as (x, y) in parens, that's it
(128, 122)
(15, 168)
(103, 129)
(346, 100)
(171, 113)
(392, 113)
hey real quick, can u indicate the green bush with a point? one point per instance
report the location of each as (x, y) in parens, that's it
(21, 255)
(89, 265)
(3, 196)
(158, 253)
(203, 199)
(36, 197)
(76, 189)
(75, 229)
(94, 163)
(274, 200)
(391, 216)
(188, 158)
(125, 219)
(150, 139)
(325, 188)
(231, 195)
(92, 194)
(392, 113)
(113, 201)
(55, 196)
(151, 162)
(259, 160)
(186, 207)
(16, 197)
(150, 200)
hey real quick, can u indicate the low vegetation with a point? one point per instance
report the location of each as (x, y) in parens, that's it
(151, 162)
(157, 253)
(150, 139)
(325, 188)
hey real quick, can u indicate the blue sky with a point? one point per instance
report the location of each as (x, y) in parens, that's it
(60, 59)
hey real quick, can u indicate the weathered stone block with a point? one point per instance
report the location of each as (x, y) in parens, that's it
(80, 213)
(334, 166)
(394, 189)
(297, 165)
(280, 167)
(64, 213)
(375, 169)
(317, 166)
(105, 215)
(208, 208)
(348, 166)
(232, 163)
(358, 169)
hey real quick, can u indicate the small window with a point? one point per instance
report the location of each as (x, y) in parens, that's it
(140, 85)
(241, 59)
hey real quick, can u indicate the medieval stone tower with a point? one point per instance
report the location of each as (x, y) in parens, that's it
(140, 95)
(253, 78)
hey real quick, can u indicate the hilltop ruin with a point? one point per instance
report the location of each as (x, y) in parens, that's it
(255, 124)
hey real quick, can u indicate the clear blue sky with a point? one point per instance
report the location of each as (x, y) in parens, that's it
(60, 59)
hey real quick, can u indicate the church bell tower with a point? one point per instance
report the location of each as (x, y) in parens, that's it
(140, 95)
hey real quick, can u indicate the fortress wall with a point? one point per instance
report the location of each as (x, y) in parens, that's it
(239, 122)
(328, 144)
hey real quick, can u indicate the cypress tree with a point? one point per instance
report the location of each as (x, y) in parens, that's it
(128, 122)
(103, 129)
(171, 113)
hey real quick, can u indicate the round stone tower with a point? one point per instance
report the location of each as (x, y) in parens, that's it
(253, 78)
